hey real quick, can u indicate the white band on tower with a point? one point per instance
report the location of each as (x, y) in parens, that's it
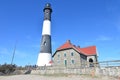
(44, 59)
(46, 27)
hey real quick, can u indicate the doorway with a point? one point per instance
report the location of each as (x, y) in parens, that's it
(91, 64)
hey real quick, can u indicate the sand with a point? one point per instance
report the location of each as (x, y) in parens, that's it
(39, 77)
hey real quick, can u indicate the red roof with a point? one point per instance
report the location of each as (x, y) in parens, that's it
(65, 45)
(91, 50)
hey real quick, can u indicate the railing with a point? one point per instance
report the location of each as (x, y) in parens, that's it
(112, 63)
(102, 64)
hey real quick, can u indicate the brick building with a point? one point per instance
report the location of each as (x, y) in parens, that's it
(69, 55)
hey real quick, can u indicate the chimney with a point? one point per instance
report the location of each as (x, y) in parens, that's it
(74, 45)
(68, 41)
(78, 46)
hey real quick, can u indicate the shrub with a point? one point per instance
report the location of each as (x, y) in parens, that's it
(7, 68)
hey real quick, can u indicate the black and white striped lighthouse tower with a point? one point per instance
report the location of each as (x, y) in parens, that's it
(45, 55)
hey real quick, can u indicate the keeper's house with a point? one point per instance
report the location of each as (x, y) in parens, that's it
(69, 55)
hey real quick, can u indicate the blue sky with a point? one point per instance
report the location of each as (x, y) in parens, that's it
(84, 22)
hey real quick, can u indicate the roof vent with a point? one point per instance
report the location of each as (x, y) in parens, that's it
(78, 46)
(74, 45)
(68, 41)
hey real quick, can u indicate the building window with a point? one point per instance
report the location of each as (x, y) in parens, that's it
(65, 62)
(58, 55)
(58, 61)
(65, 55)
(72, 61)
(72, 54)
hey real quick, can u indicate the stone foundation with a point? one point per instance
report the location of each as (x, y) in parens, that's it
(110, 71)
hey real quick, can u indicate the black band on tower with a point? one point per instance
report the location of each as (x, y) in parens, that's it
(47, 12)
(46, 44)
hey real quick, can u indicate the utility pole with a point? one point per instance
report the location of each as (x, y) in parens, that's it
(13, 53)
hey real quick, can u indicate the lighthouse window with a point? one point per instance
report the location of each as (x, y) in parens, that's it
(44, 43)
(47, 12)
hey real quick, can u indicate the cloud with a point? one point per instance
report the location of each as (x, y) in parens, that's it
(35, 46)
(89, 43)
(98, 39)
(108, 58)
(5, 55)
(28, 37)
(21, 54)
(118, 25)
(53, 43)
(4, 51)
(103, 38)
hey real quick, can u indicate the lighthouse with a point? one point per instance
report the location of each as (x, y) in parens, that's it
(45, 55)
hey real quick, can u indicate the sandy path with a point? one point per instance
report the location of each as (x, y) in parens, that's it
(38, 77)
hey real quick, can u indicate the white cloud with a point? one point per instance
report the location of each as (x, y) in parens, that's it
(28, 37)
(53, 43)
(103, 38)
(35, 46)
(117, 23)
(111, 58)
(4, 51)
(21, 54)
(118, 26)
(89, 43)
(98, 39)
